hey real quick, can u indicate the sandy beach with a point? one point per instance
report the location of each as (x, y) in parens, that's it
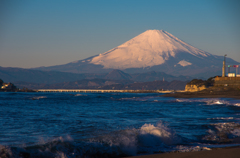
(214, 153)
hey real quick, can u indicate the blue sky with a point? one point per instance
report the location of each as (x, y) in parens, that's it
(37, 33)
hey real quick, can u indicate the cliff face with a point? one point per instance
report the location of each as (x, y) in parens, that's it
(194, 88)
(198, 85)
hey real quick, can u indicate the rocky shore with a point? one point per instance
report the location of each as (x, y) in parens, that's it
(211, 92)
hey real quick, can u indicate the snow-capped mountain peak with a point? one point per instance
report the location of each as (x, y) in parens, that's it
(152, 50)
(152, 47)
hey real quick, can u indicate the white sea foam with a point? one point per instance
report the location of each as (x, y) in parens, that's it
(223, 132)
(148, 138)
(237, 104)
(212, 101)
(221, 118)
(38, 97)
(156, 137)
(215, 101)
(78, 95)
(159, 130)
(182, 148)
(222, 102)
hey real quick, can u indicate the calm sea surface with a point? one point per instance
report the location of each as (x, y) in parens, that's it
(113, 124)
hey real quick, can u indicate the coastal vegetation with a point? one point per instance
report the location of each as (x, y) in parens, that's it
(199, 84)
(198, 88)
(1, 82)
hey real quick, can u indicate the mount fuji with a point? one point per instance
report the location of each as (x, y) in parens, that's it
(152, 50)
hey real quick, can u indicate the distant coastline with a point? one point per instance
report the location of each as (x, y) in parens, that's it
(17, 90)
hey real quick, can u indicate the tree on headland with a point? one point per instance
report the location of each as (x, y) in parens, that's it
(1, 82)
(199, 82)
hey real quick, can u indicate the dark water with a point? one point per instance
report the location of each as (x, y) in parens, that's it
(113, 124)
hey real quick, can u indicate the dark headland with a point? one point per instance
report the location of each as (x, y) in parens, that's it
(214, 87)
(211, 92)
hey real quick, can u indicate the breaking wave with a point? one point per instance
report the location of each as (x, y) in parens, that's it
(38, 97)
(212, 101)
(207, 101)
(147, 139)
(221, 118)
(223, 133)
(182, 148)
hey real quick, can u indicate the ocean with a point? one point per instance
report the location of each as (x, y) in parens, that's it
(70, 125)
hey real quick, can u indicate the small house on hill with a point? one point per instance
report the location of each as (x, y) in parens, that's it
(8, 86)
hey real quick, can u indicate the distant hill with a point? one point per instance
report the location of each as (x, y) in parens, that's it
(37, 76)
(107, 84)
(118, 75)
(49, 77)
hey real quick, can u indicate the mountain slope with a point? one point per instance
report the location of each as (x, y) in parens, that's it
(154, 76)
(118, 75)
(150, 48)
(153, 50)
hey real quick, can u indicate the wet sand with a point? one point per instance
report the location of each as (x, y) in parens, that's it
(212, 92)
(214, 153)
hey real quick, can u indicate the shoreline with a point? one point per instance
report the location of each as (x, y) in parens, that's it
(227, 152)
(211, 92)
(180, 95)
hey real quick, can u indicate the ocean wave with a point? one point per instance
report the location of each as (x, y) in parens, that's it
(147, 139)
(216, 102)
(221, 118)
(56, 148)
(148, 98)
(237, 104)
(129, 142)
(223, 133)
(182, 148)
(76, 95)
(207, 101)
(211, 101)
(38, 97)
